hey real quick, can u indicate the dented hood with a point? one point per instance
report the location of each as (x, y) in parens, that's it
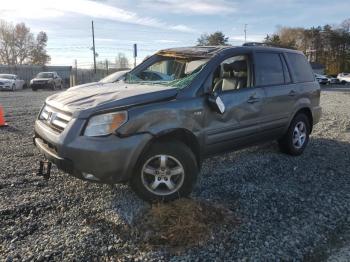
(78, 100)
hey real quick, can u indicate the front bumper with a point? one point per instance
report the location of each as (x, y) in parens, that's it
(109, 159)
(5, 87)
(322, 81)
(41, 85)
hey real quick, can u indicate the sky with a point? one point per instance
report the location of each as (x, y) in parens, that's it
(159, 24)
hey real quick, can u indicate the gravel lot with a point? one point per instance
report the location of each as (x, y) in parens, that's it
(289, 208)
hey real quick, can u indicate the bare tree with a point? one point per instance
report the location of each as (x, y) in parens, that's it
(39, 55)
(122, 61)
(18, 45)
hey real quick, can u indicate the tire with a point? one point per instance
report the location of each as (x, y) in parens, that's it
(34, 89)
(177, 158)
(343, 82)
(289, 143)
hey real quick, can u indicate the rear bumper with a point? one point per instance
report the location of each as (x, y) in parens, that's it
(109, 159)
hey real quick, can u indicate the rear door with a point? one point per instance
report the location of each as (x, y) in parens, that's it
(272, 75)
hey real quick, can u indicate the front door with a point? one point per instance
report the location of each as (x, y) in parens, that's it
(238, 125)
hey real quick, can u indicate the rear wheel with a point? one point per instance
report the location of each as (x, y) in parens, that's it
(165, 172)
(296, 139)
(34, 89)
(343, 82)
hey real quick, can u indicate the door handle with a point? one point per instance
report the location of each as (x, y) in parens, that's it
(292, 93)
(253, 99)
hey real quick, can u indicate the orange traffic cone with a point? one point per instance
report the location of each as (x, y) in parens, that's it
(2, 117)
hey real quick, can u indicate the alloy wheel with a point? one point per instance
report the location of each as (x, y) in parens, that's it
(299, 135)
(162, 175)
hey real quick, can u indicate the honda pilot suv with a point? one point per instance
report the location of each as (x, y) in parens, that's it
(154, 134)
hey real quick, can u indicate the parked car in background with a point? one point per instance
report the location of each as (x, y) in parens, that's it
(11, 82)
(46, 80)
(344, 78)
(154, 134)
(321, 79)
(333, 80)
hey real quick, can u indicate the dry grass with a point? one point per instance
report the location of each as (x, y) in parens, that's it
(182, 223)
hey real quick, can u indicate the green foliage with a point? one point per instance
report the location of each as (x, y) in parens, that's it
(214, 39)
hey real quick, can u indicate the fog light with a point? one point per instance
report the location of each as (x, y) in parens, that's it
(90, 176)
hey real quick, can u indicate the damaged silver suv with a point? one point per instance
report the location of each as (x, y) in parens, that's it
(154, 127)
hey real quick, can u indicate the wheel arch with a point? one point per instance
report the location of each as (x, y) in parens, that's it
(308, 113)
(178, 134)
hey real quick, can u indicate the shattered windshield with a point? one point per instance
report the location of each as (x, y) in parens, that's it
(169, 71)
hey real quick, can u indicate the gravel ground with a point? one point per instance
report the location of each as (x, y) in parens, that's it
(289, 208)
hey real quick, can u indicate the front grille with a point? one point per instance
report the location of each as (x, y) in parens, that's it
(40, 82)
(54, 118)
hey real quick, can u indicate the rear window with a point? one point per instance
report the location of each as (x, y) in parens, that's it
(301, 68)
(269, 70)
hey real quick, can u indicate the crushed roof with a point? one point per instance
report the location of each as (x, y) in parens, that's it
(195, 51)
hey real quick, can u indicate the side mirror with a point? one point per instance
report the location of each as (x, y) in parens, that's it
(216, 103)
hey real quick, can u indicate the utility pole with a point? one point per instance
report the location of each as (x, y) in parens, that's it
(135, 54)
(75, 71)
(107, 66)
(245, 33)
(93, 44)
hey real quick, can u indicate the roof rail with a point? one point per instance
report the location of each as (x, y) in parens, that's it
(255, 44)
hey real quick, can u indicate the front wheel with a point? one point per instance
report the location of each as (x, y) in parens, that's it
(296, 139)
(165, 172)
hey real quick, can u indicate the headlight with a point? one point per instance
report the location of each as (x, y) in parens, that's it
(105, 124)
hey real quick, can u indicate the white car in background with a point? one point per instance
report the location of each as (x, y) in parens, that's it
(10, 82)
(344, 78)
(321, 79)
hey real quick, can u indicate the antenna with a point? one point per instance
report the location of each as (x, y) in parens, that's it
(245, 33)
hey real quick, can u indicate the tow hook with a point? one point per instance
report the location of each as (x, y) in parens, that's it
(44, 169)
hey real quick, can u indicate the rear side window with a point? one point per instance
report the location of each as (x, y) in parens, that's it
(269, 69)
(300, 67)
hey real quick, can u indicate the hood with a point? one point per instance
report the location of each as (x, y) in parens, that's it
(88, 99)
(84, 85)
(6, 80)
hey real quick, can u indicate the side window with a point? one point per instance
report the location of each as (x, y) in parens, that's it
(232, 74)
(286, 73)
(300, 67)
(268, 69)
